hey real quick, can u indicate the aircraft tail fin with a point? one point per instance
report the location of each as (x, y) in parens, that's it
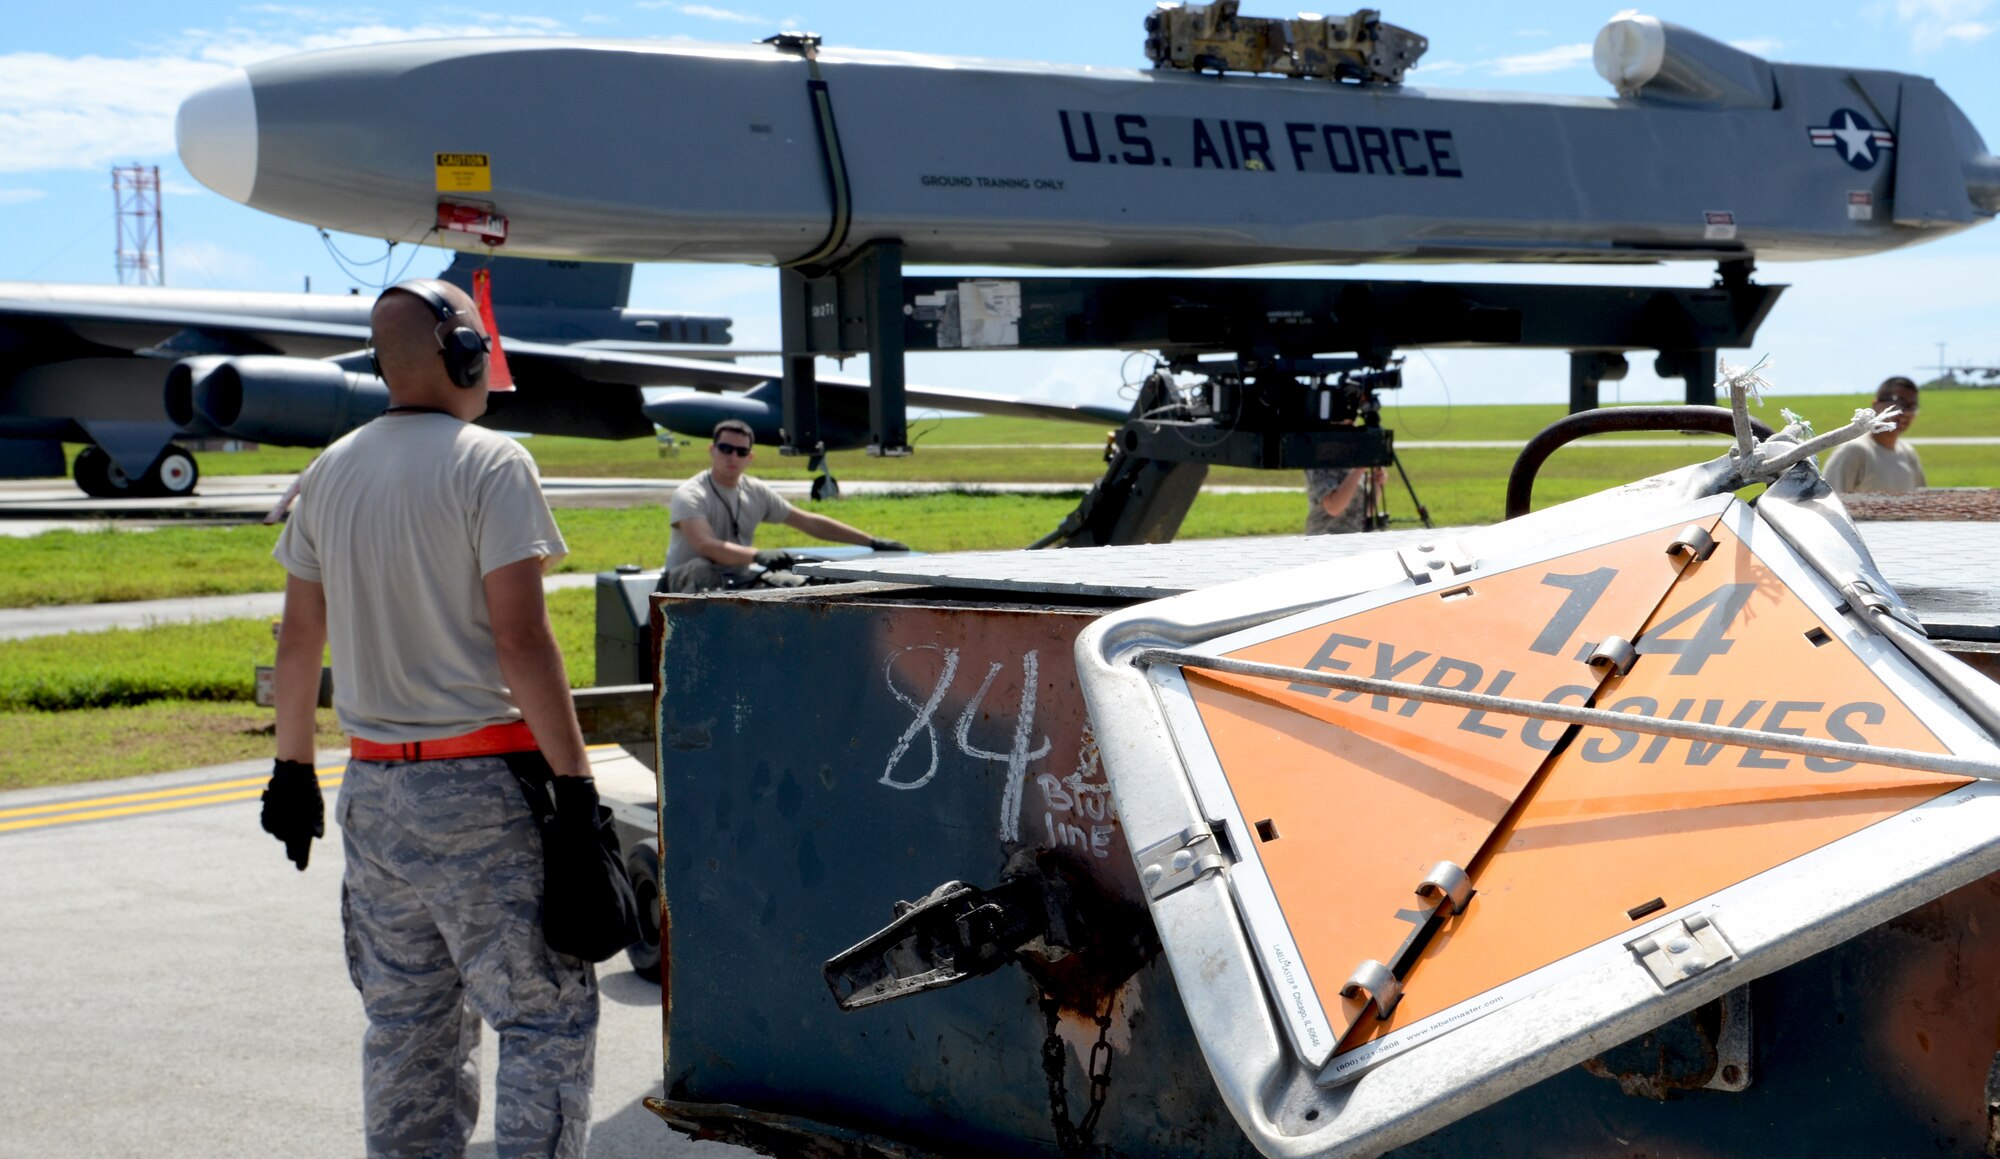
(536, 282)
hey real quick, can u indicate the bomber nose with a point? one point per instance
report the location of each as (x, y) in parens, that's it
(216, 131)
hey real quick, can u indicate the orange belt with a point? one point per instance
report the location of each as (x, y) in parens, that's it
(512, 737)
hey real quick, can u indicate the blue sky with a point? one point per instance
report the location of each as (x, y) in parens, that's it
(84, 85)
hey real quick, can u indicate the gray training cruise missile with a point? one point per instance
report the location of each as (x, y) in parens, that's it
(783, 153)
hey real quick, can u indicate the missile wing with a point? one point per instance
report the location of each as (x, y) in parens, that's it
(1705, 152)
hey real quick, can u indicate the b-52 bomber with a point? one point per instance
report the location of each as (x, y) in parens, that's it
(86, 364)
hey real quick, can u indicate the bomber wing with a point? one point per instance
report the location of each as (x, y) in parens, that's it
(717, 377)
(175, 333)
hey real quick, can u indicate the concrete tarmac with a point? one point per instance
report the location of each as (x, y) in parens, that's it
(21, 623)
(170, 985)
(32, 506)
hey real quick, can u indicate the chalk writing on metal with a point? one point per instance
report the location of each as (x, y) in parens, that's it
(921, 723)
(1018, 756)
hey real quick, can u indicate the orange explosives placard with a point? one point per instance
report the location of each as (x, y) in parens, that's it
(1628, 824)
(1351, 798)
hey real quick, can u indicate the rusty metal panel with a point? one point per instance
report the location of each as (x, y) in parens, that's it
(824, 757)
(1878, 1046)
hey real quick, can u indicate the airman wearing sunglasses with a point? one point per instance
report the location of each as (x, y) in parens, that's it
(715, 517)
(1881, 462)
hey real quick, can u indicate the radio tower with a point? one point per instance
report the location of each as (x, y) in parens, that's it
(135, 190)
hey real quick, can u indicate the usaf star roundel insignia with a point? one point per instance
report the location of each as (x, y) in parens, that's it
(1860, 143)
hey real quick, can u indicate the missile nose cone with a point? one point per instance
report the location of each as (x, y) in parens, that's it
(216, 131)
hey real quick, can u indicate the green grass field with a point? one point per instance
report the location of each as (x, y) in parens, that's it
(111, 704)
(93, 744)
(953, 450)
(117, 703)
(197, 662)
(69, 567)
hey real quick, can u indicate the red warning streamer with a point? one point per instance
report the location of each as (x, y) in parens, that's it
(498, 377)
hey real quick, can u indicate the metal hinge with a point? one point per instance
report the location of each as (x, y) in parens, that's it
(1447, 882)
(1179, 861)
(1432, 561)
(1694, 541)
(1682, 949)
(1614, 656)
(1374, 982)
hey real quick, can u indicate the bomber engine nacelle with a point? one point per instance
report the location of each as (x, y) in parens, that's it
(291, 402)
(843, 415)
(182, 382)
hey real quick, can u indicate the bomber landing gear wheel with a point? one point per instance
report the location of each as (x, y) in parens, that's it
(173, 474)
(642, 865)
(100, 477)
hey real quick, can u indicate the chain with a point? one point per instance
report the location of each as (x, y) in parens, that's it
(1074, 1139)
(1054, 1062)
(1100, 1074)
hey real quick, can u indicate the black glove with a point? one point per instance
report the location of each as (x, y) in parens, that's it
(576, 801)
(888, 545)
(294, 811)
(775, 559)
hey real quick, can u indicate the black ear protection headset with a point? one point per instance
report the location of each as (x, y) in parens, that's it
(463, 349)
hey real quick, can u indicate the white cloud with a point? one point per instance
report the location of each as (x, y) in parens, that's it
(87, 112)
(1548, 60)
(204, 263)
(704, 11)
(1765, 46)
(307, 14)
(1935, 24)
(17, 196)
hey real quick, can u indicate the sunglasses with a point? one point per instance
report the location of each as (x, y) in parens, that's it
(731, 449)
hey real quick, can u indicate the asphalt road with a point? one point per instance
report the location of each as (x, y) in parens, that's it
(170, 985)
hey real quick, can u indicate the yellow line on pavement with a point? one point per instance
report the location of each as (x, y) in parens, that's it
(157, 800)
(133, 810)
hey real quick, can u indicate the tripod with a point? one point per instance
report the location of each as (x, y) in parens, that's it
(1377, 518)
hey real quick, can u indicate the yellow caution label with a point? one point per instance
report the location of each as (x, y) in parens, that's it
(464, 173)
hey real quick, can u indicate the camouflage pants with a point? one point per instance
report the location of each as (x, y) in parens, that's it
(442, 906)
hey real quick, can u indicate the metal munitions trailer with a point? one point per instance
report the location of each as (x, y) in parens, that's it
(887, 796)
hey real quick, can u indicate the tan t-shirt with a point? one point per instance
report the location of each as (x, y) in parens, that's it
(733, 513)
(401, 520)
(1866, 465)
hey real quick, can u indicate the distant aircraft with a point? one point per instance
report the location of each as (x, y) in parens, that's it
(87, 364)
(124, 370)
(796, 154)
(1987, 373)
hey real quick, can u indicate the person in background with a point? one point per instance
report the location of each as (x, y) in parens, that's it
(1336, 500)
(714, 517)
(1881, 462)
